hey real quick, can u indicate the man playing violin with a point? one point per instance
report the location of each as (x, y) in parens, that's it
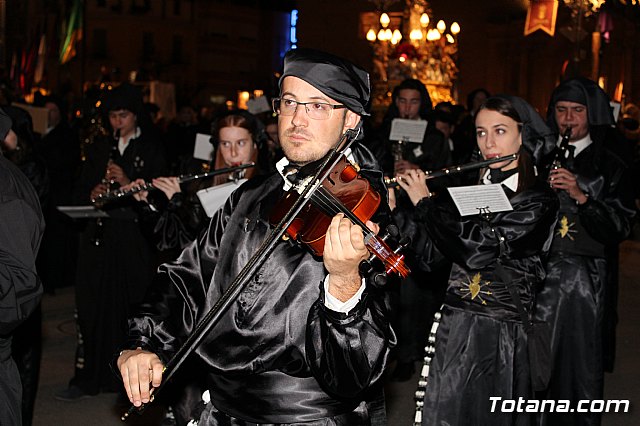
(307, 341)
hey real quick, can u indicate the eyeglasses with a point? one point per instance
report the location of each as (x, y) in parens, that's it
(315, 110)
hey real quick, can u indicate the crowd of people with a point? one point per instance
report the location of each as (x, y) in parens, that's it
(512, 303)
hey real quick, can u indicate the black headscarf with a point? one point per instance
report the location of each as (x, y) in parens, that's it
(129, 97)
(537, 137)
(21, 122)
(586, 92)
(426, 106)
(335, 77)
(256, 127)
(125, 96)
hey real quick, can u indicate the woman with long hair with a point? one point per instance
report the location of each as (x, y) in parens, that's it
(478, 344)
(238, 138)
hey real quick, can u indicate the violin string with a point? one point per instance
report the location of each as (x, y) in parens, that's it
(334, 206)
(330, 206)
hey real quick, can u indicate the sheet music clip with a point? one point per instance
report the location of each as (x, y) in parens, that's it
(484, 212)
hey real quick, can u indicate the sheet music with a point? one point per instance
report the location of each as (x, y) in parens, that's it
(408, 130)
(476, 199)
(82, 212)
(214, 197)
(203, 150)
(258, 105)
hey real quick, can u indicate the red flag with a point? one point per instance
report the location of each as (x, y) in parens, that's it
(541, 16)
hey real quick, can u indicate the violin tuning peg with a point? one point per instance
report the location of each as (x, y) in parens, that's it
(379, 279)
(404, 241)
(392, 230)
(365, 267)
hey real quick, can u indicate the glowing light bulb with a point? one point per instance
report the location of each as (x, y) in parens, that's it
(384, 20)
(415, 34)
(455, 28)
(441, 26)
(396, 37)
(424, 20)
(371, 35)
(433, 35)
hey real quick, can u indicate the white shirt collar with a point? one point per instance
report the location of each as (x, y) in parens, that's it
(511, 182)
(284, 162)
(580, 145)
(123, 144)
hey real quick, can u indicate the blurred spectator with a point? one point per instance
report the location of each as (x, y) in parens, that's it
(20, 289)
(27, 339)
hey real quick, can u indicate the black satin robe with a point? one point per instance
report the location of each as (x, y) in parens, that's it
(21, 228)
(278, 356)
(481, 345)
(579, 294)
(114, 276)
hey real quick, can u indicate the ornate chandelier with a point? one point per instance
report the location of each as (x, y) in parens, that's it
(411, 45)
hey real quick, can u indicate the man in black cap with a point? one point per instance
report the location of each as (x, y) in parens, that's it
(578, 297)
(21, 229)
(307, 341)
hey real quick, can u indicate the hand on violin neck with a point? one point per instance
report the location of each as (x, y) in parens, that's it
(344, 249)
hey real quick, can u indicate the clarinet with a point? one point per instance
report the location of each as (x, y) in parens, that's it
(563, 154)
(99, 231)
(110, 196)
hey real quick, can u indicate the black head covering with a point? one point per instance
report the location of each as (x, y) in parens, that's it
(57, 100)
(426, 105)
(537, 137)
(335, 77)
(5, 124)
(22, 123)
(125, 96)
(256, 127)
(586, 92)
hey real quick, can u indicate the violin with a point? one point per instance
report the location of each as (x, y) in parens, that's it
(343, 191)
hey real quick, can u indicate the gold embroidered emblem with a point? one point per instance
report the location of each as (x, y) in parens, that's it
(565, 229)
(475, 288)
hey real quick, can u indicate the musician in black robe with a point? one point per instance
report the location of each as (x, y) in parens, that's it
(115, 259)
(410, 101)
(179, 222)
(21, 231)
(307, 340)
(478, 344)
(579, 295)
(414, 303)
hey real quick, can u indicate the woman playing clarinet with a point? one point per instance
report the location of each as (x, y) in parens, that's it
(477, 348)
